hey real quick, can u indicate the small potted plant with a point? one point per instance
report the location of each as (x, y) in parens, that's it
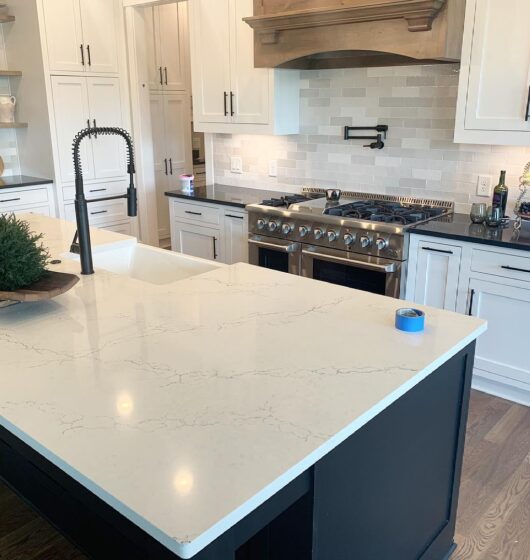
(23, 262)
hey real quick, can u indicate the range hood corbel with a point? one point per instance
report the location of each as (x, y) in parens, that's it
(339, 33)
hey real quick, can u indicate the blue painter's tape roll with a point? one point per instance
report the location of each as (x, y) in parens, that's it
(410, 320)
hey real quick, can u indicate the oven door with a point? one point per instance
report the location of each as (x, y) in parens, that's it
(276, 254)
(362, 272)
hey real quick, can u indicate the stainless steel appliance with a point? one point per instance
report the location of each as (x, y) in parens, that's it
(358, 241)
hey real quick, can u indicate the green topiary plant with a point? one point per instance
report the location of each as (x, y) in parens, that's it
(23, 259)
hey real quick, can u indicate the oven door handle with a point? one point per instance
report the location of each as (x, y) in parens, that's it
(288, 248)
(388, 268)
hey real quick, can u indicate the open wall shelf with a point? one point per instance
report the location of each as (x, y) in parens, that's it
(13, 125)
(10, 73)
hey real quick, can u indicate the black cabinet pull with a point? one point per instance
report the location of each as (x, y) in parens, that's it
(97, 190)
(82, 55)
(165, 73)
(233, 216)
(89, 55)
(88, 126)
(161, 78)
(437, 250)
(10, 200)
(516, 269)
(214, 248)
(232, 103)
(165, 164)
(171, 165)
(527, 116)
(98, 212)
(193, 213)
(225, 100)
(95, 126)
(471, 298)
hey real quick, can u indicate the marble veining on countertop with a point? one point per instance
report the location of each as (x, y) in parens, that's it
(186, 406)
(460, 227)
(226, 194)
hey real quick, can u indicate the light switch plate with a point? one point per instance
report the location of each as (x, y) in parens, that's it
(236, 164)
(273, 168)
(484, 185)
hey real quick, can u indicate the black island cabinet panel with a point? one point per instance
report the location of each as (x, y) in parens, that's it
(389, 492)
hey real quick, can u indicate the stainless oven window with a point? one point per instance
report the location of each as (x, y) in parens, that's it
(276, 254)
(350, 276)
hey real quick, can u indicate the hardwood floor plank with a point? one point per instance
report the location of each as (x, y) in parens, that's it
(27, 541)
(506, 425)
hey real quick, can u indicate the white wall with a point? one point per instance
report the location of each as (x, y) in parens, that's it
(420, 159)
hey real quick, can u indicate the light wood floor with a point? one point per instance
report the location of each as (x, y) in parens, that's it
(493, 515)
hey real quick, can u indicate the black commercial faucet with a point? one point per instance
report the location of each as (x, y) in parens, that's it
(81, 243)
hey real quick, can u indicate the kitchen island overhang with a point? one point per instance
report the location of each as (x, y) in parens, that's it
(265, 437)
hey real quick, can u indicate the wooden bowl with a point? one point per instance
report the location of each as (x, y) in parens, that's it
(51, 285)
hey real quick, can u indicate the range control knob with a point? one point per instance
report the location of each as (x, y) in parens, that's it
(332, 236)
(381, 243)
(303, 231)
(273, 226)
(318, 233)
(287, 228)
(365, 241)
(261, 223)
(349, 238)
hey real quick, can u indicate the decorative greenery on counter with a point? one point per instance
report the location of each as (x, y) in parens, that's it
(23, 259)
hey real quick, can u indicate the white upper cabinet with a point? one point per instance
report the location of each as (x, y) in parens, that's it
(81, 35)
(229, 94)
(167, 46)
(494, 92)
(100, 19)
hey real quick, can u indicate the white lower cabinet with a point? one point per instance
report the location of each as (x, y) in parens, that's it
(32, 200)
(487, 282)
(210, 231)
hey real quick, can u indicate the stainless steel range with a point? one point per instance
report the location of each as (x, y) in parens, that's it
(352, 239)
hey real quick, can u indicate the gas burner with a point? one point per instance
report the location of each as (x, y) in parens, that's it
(285, 201)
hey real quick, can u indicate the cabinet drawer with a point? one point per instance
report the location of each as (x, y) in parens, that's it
(197, 213)
(98, 190)
(498, 264)
(100, 213)
(13, 199)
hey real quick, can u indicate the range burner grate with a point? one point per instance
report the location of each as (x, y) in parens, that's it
(284, 201)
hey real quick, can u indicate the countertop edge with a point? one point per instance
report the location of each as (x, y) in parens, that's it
(194, 198)
(187, 550)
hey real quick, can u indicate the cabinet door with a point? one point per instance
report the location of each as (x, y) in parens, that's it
(152, 48)
(249, 85)
(100, 24)
(210, 23)
(501, 350)
(437, 275)
(71, 109)
(235, 233)
(500, 63)
(64, 35)
(161, 163)
(170, 28)
(196, 241)
(104, 99)
(178, 136)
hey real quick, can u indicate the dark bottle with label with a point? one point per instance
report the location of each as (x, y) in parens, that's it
(500, 194)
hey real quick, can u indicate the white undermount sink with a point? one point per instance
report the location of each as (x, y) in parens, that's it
(149, 264)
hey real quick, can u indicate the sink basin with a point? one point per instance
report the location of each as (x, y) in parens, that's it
(149, 264)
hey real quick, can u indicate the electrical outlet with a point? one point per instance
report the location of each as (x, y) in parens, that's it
(273, 168)
(484, 185)
(236, 164)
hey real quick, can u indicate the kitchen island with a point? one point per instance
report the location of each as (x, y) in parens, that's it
(234, 415)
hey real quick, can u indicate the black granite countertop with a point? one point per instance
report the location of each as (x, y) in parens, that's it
(13, 181)
(226, 194)
(459, 227)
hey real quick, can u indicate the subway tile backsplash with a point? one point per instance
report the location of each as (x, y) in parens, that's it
(419, 159)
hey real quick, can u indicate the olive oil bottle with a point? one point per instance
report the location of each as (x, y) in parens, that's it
(500, 194)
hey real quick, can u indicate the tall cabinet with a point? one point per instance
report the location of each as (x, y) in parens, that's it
(78, 65)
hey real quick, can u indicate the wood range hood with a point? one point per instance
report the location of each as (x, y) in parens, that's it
(313, 34)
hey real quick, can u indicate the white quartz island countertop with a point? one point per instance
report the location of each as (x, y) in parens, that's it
(185, 406)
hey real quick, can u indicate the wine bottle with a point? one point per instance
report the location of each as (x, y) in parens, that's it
(500, 194)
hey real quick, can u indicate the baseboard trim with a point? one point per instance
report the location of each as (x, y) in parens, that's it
(502, 390)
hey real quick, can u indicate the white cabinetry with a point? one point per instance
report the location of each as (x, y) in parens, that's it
(494, 92)
(36, 200)
(437, 272)
(229, 94)
(209, 231)
(168, 47)
(81, 35)
(170, 120)
(485, 281)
